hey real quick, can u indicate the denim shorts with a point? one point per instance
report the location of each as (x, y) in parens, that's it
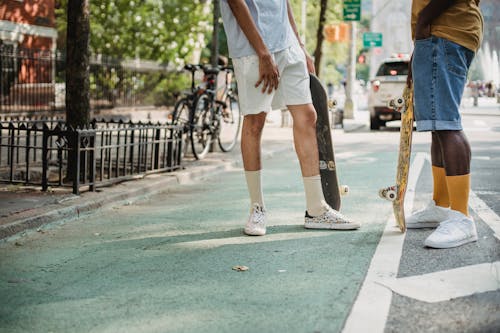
(439, 70)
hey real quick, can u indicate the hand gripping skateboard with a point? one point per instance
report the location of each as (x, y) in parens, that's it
(327, 167)
(396, 193)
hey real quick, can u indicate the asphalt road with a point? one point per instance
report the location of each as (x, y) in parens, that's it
(164, 264)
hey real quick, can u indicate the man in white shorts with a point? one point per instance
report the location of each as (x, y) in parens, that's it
(272, 71)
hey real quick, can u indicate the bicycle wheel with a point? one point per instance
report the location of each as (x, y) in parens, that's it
(201, 129)
(229, 124)
(181, 116)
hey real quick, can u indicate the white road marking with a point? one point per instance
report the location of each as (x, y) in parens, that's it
(483, 158)
(449, 284)
(371, 308)
(480, 123)
(485, 213)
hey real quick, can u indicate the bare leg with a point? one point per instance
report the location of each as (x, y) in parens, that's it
(251, 134)
(456, 153)
(456, 157)
(440, 189)
(304, 138)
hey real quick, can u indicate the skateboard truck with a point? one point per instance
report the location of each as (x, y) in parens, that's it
(389, 193)
(344, 189)
(332, 104)
(396, 103)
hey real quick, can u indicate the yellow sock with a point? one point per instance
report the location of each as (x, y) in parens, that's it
(458, 189)
(440, 192)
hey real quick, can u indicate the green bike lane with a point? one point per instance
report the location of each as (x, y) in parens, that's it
(165, 264)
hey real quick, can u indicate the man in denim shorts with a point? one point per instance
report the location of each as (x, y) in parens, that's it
(272, 69)
(447, 34)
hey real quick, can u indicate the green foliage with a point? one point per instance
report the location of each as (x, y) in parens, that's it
(334, 54)
(168, 88)
(164, 31)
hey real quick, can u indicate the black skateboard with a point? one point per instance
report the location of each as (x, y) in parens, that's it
(327, 167)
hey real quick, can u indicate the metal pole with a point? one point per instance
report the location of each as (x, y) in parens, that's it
(350, 106)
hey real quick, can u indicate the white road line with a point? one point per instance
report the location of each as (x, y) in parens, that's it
(449, 284)
(371, 308)
(480, 123)
(485, 213)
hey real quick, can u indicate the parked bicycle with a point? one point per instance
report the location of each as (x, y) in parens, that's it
(209, 112)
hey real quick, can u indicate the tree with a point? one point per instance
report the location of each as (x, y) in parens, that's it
(164, 31)
(77, 74)
(77, 64)
(333, 55)
(319, 36)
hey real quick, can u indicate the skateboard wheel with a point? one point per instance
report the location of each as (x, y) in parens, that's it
(344, 189)
(391, 195)
(399, 102)
(388, 194)
(396, 103)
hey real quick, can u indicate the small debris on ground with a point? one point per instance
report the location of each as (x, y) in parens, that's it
(240, 268)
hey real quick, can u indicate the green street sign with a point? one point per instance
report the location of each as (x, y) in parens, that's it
(372, 39)
(352, 10)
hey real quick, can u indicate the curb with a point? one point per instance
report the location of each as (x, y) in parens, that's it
(119, 194)
(72, 208)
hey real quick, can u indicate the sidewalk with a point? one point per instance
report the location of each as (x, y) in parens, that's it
(24, 209)
(486, 106)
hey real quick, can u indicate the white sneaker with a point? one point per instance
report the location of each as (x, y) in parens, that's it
(330, 219)
(256, 224)
(428, 217)
(457, 230)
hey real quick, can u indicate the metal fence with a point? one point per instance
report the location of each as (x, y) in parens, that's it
(32, 81)
(47, 153)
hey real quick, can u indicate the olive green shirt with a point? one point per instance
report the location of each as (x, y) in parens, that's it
(462, 23)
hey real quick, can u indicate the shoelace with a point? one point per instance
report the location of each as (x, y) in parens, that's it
(338, 215)
(258, 214)
(446, 227)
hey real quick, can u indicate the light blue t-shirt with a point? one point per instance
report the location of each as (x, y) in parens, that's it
(271, 19)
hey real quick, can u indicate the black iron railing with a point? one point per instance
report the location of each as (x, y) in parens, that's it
(48, 153)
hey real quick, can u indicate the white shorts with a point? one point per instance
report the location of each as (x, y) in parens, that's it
(293, 87)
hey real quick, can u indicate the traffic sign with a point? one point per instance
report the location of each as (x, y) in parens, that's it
(352, 10)
(372, 39)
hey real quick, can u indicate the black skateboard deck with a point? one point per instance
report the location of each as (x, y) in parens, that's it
(327, 167)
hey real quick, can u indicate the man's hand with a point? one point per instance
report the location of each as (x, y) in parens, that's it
(268, 74)
(422, 31)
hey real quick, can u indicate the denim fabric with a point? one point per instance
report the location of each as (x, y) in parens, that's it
(439, 70)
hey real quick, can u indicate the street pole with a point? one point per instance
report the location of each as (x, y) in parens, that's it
(349, 106)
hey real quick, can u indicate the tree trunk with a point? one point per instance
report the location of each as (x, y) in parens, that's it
(215, 35)
(319, 36)
(77, 64)
(77, 81)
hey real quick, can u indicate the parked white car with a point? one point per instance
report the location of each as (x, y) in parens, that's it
(388, 83)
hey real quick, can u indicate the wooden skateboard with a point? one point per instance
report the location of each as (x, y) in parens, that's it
(327, 167)
(396, 193)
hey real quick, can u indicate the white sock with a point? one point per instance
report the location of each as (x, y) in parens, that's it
(254, 185)
(314, 195)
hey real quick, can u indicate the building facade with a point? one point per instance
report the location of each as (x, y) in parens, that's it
(28, 24)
